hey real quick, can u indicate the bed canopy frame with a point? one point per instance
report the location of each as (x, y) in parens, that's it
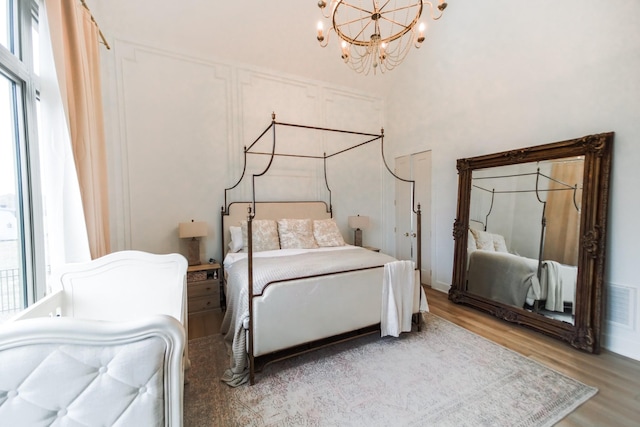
(251, 150)
(274, 152)
(538, 192)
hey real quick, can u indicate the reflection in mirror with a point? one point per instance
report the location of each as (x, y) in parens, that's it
(522, 244)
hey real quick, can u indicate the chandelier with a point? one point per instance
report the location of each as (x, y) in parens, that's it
(376, 35)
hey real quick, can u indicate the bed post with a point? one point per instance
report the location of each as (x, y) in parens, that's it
(419, 259)
(419, 242)
(222, 254)
(250, 295)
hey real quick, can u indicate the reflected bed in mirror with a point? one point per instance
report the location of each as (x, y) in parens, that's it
(522, 244)
(530, 236)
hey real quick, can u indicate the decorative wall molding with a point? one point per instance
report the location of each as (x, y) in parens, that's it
(131, 59)
(181, 123)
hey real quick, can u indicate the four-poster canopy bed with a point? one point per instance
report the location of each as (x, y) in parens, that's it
(291, 282)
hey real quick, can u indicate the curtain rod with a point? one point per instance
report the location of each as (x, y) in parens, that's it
(103, 40)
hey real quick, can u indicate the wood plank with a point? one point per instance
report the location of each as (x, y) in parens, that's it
(616, 377)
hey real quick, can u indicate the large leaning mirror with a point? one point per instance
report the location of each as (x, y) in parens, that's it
(530, 234)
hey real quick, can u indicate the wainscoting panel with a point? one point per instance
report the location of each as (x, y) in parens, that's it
(183, 124)
(359, 175)
(175, 125)
(293, 101)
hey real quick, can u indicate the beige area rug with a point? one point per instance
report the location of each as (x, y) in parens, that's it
(441, 376)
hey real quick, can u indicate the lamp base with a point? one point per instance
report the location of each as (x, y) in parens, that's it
(194, 252)
(357, 237)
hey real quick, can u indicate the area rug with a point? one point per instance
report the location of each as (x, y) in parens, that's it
(443, 375)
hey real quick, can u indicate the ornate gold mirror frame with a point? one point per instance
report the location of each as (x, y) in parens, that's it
(585, 332)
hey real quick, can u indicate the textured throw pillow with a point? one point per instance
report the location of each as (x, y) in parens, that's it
(235, 244)
(471, 242)
(264, 234)
(484, 240)
(499, 243)
(326, 233)
(296, 234)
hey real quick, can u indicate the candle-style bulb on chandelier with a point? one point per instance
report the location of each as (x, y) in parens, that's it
(376, 35)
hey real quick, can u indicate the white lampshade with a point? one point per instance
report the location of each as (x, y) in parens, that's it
(358, 222)
(192, 229)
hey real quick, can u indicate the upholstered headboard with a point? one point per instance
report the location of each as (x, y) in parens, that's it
(238, 212)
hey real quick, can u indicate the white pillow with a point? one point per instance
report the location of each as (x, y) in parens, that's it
(296, 234)
(471, 242)
(326, 233)
(264, 234)
(484, 240)
(499, 243)
(236, 239)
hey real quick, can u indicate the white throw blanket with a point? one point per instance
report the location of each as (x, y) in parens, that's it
(561, 283)
(398, 288)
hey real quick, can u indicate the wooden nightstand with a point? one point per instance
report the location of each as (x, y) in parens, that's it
(203, 288)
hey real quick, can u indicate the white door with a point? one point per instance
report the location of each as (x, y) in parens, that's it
(404, 216)
(418, 168)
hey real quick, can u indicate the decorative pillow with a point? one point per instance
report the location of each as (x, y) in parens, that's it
(471, 242)
(326, 233)
(499, 243)
(296, 234)
(484, 240)
(264, 233)
(236, 239)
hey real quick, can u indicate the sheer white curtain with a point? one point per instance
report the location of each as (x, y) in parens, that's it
(67, 239)
(75, 47)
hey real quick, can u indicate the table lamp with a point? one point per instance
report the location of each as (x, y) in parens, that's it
(358, 222)
(193, 230)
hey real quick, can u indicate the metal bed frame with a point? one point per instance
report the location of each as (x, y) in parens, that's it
(255, 362)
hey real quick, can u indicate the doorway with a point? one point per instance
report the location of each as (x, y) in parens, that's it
(416, 167)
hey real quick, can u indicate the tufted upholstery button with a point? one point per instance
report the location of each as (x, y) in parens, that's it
(142, 390)
(102, 369)
(12, 393)
(62, 413)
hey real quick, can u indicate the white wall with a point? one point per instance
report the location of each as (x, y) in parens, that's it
(500, 75)
(491, 76)
(177, 137)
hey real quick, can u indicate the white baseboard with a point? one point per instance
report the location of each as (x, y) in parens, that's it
(441, 286)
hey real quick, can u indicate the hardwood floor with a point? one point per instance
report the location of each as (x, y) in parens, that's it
(616, 377)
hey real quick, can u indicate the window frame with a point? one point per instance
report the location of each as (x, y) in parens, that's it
(18, 67)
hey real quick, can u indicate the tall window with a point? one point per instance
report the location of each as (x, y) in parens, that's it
(22, 240)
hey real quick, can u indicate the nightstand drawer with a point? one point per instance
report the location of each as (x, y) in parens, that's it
(211, 302)
(205, 288)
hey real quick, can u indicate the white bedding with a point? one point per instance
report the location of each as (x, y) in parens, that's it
(501, 276)
(272, 266)
(512, 279)
(232, 257)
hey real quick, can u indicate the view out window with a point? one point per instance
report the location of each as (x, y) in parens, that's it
(11, 287)
(21, 247)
